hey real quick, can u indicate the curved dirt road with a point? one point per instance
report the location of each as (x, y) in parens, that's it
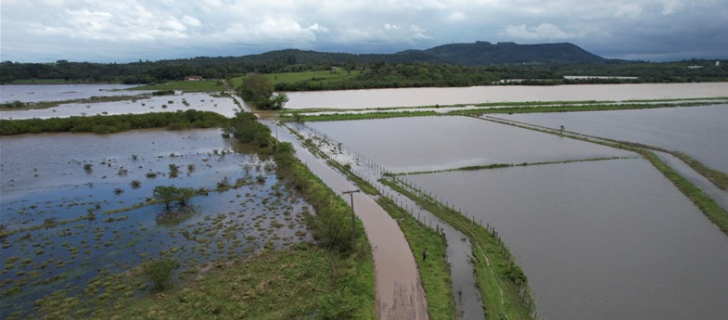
(399, 291)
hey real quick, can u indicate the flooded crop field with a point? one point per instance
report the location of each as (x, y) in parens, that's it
(170, 103)
(59, 92)
(599, 240)
(698, 131)
(609, 239)
(413, 97)
(439, 143)
(79, 218)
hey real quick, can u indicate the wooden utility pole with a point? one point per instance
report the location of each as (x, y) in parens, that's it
(353, 217)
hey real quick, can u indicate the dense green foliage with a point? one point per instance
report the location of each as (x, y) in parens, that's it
(116, 123)
(306, 282)
(159, 271)
(246, 128)
(257, 90)
(169, 194)
(548, 61)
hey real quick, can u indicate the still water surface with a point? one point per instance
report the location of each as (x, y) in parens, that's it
(186, 101)
(438, 143)
(701, 132)
(60, 92)
(599, 240)
(44, 179)
(411, 97)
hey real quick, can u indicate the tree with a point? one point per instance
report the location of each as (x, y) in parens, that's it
(165, 194)
(184, 195)
(278, 101)
(256, 89)
(159, 271)
(168, 194)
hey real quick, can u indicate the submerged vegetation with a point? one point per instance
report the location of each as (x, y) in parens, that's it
(177, 120)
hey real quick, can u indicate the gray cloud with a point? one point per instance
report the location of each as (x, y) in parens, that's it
(126, 30)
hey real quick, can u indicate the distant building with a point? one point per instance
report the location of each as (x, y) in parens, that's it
(694, 67)
(717, 63)
(193, 78)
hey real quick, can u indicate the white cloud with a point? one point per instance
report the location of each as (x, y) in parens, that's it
(317, 28)
(68, 27)
(672, 6)
(191, 21)
(456, 16)
(631, 10)
(542, 31)
(269, 30)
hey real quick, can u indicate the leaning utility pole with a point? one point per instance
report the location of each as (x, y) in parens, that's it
(353, 219)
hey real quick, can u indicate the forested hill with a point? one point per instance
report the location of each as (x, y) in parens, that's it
(471, 54)
(485, 53)
(466, 54)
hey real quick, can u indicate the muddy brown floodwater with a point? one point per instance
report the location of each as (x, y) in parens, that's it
(399, 291)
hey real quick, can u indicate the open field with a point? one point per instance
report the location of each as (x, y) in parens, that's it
(294, 77)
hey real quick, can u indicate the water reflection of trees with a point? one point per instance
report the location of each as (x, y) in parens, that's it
(174, 216)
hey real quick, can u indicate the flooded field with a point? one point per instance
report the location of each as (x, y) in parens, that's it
(80, 221)
(438, 143)
(185, 101)
(411, 97)
(599, 240)
(698, 131)
(60, 92)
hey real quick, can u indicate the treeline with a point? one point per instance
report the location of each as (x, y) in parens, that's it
(448, 65)
(395, 75)
(178, 120)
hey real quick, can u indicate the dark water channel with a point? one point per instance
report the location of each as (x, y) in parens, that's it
(599, 240)
(45, 183)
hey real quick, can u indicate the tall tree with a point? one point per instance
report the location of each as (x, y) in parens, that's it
(256, 89)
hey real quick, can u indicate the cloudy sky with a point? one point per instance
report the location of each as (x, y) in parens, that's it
(129, 30)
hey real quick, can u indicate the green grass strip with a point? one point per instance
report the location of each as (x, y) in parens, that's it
(494, 266)
(435, 274)
(705, 203)
(712, 210)
(507, 165)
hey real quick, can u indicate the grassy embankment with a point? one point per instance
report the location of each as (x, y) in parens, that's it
(187, 86)
(712, 210)
(116, 123)
(435, 273)
(508, 165)
(494, 267)
(702, 201)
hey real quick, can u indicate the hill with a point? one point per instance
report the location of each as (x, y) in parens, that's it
(485, 53)
(468, 54)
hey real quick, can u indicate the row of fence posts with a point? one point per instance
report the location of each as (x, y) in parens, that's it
(379, 170)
